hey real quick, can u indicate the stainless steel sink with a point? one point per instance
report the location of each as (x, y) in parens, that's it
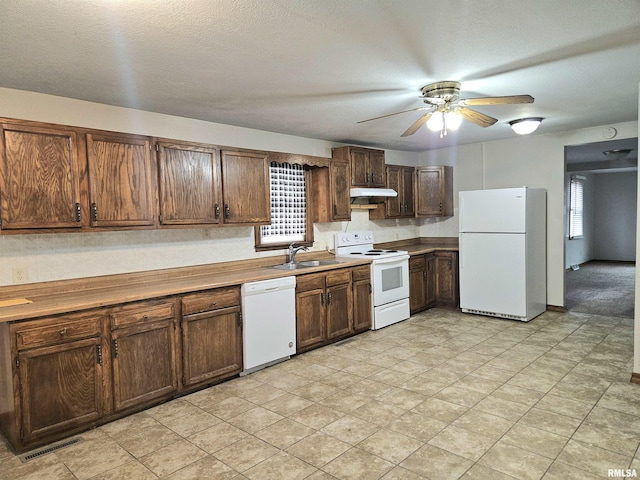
(306, 264)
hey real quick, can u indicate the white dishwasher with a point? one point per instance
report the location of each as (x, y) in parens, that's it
(269, 322)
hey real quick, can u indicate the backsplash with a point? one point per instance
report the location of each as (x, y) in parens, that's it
(49, 257)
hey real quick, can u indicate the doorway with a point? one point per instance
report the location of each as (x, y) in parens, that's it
(600, 260)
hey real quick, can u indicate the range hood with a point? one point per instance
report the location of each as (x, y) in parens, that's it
(373, 192)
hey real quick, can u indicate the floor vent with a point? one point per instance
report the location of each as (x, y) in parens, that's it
(343, 342)
(49, 449)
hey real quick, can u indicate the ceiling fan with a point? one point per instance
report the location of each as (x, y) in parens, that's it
(446, 109)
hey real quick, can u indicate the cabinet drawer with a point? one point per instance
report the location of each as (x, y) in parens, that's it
(142, 312)
(361, 273)
(313, 281)
(416, 262)
(338, 277)
(60, 332)
(210, 300)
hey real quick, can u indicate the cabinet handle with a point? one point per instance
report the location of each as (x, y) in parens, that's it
(77, 212)
(115, 348)
(239, 319)
(335, 210)
(441, 206)
(322, 299)
(99, 354)
(217, 211)
(94, 211)
(449, 264)
(424, 274)
(329, 298)
(227, 211)
(145, 317)
(63, 332)
(213, 304)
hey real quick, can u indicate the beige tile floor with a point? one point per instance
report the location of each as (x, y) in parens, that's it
(441, 396)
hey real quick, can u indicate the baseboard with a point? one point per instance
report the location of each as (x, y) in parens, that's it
(556, 308)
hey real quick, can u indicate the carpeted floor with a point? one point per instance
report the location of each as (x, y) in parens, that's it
(601, 288)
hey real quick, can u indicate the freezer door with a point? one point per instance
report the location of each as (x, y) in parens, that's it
(493, 274)
(493, 211)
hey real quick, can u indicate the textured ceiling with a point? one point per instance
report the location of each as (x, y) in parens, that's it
(313, 68)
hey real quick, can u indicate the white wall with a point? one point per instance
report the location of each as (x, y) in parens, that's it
(580, 250)
(615, 216)
(535, 161)
(72, 255)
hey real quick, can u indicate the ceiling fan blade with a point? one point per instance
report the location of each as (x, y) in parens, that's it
(497, 100)
(414, 128)
(396, 113)
(476, 117)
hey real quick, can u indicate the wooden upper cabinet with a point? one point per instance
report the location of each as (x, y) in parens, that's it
(331, 200)
(341, 200)
(434, 191)
(400, 179)
(245, 187)
(121, 186)
(189, 176)
(367, 165)
(39, 178)
(408, 196)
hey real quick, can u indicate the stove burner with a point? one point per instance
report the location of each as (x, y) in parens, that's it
(371, 252)
(375, 250)
(391, 251)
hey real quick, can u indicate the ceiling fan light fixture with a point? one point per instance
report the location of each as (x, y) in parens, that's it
(444, 121)
(525, 126)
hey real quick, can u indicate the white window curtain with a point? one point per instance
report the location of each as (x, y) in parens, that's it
(288, 205)
(576, 207)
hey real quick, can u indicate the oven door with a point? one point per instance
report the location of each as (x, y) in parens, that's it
(390, 279)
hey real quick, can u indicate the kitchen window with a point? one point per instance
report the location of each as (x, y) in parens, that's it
(576, 207)
(289, 201)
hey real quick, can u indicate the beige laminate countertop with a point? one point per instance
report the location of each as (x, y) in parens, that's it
(83, 294)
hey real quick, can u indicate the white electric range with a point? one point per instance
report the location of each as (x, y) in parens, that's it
(389, 276)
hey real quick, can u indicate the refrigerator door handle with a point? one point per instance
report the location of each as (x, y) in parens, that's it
(461, 250)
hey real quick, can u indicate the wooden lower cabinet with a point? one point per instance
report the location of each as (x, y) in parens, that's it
(433, 280)
(324, 308)
(58, 381)
(362, 307)
(211, 336)
(447, 284)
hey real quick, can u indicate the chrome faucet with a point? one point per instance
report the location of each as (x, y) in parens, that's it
(293, 250)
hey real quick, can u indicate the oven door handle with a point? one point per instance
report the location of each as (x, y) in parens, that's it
(400, 259)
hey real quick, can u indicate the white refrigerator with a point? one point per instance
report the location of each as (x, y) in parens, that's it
(503, 252)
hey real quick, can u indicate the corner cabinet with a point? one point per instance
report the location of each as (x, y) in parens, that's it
(121, 180)
(245, 187)
(211, 336)
(189, 183)
(434, 191)
(40, 170)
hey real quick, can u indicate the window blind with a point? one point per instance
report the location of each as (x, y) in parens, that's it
(576, 207)
(288, 205)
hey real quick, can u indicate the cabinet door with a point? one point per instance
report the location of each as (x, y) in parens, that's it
(340, 195)
(339, 310)
(121, 188)
(310, 318)
(446, 267)
(417, 283)
(189, 184)
(434, 191)
(394, 181)
(211, 345)
(359, 167)
(362, 314)
(39, 178)
(430, 286)
(408, 209)
(246, 187)
(60, 387)
(377, 177)
(144, 363)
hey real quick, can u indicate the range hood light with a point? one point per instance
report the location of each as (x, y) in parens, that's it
(373, 192)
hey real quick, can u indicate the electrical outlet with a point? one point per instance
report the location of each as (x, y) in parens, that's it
(20, 275)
